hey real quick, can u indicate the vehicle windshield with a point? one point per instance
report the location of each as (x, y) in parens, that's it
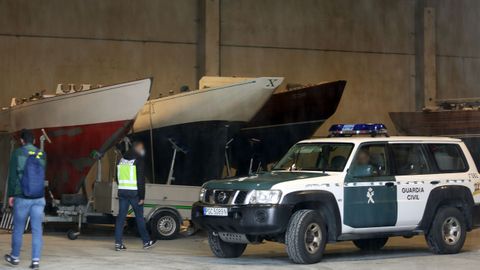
(316, 157)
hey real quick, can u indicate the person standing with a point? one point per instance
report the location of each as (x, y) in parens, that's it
(26, 192)
(131, 192)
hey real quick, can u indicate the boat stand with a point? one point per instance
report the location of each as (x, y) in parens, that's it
(176, 148)
(253, 142)
(6, 223)
(73, 208)
(227, 159)
(75, 211)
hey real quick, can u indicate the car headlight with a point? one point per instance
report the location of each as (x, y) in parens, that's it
(202, 194)
(265, 196)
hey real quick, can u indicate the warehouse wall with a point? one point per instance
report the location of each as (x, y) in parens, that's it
(368, 43)
(43, 43)
(458, 48)
(371, 43)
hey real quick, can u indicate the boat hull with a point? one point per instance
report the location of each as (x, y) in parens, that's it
(78, 125)
(288, 117)
(204, 143)
(441, 123)
(232, 103)
(267, 145)
(70, 158)
(202, 122)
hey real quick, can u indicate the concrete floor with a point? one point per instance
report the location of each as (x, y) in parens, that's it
(95, 251)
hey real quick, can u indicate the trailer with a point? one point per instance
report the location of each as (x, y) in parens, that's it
(167, 207)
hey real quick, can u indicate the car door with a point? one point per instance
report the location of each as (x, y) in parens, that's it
(370, 190)
(415, 175)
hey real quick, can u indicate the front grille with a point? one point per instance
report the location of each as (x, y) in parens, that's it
(241, 196)
(227, 197)
(223, 196)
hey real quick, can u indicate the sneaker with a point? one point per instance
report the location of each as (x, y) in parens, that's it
(149, 244)
(120, 247)
(11, 260)
(35, 265)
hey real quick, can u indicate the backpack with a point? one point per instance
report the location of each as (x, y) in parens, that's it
(32, 182)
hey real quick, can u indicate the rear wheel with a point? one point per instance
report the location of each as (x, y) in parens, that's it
(448, 231)
(224, 249)
(306, 237)
(165, 225)
(371, 244)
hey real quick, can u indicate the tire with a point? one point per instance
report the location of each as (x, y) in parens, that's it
(165, 225)
(223, 249)
(373, 244)
(441, 241)
(301, 248)
(72, 235)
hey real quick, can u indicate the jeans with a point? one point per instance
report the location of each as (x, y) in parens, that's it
(130, 198)
(22, 209)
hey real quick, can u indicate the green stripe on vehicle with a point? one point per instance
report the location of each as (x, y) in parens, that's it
(148, 205)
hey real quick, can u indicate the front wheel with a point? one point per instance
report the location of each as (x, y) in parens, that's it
(371, 244)
(448, 231)
(224, 249)
(306, 237)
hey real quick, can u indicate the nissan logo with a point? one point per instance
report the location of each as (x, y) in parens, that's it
(222, 197)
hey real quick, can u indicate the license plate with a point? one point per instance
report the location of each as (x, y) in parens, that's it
(215, 211)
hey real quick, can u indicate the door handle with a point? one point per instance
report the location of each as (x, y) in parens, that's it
(434, 182)
(389, 184)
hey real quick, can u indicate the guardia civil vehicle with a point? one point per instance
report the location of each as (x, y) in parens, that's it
(363, 189)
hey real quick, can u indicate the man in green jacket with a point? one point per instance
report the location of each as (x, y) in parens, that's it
(25, 207)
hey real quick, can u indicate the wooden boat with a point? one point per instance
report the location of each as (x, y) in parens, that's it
(287, 118)
(78, 124)
(454, 118)
(201, 122)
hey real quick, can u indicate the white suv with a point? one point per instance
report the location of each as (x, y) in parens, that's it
(363, 189)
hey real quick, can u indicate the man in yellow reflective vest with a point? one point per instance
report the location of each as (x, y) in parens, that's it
(131, 192)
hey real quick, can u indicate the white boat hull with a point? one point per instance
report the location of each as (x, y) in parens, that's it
(201, 122)
(233, 103)
(107, 104)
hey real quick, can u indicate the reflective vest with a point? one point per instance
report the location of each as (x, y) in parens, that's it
(127, 174)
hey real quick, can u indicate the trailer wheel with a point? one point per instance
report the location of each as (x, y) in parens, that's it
(165, 225)
(72, 235)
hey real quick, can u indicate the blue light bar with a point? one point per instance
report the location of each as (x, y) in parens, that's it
(357, 129)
